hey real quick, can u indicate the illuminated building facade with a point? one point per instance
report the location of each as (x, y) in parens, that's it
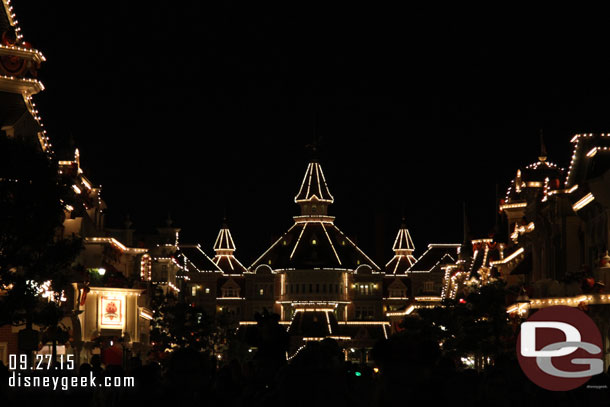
(558, 234)
(19, 118)
(111, 274)
(113, 279)
(557, 219)
(326, 286)
(316, 278)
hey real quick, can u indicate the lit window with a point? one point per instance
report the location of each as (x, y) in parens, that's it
(365, 312)
(194, 291)
(314, 242)
(207, 290)
(261, 291)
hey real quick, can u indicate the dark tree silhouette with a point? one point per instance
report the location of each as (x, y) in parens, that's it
(473, 326)
(177, 324)
(32, 196)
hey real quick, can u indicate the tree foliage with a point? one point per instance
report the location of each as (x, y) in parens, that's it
(177, 324)
(477, 325)
(31, 213)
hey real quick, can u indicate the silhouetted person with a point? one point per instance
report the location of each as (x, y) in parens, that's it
(187, 379)
(96, 365)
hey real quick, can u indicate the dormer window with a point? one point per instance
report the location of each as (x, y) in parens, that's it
(231, 291)
(397, 293)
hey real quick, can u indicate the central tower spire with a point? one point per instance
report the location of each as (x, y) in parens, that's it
(314, 196)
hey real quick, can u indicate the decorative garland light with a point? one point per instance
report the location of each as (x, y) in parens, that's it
(513, 205)
(509, 258)
(584, 201)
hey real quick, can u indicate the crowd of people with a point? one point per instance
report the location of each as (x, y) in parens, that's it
(404, 372)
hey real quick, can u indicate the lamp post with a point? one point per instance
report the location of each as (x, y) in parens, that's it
(126, 353)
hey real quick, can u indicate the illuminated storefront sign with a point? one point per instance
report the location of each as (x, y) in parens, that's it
(112, 311)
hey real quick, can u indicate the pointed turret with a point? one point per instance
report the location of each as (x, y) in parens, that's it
(224, 241)
(403, 252)
(19, 64)
(224, 248)
(314, 196)
(169, 235)
(403, 244)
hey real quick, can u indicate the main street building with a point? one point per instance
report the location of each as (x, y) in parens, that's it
(316, 278)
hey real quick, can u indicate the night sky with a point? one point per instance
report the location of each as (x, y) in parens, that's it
(196, 109)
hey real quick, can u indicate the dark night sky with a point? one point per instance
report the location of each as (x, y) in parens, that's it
(190, 109)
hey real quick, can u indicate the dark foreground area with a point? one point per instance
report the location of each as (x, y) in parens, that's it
(317, 375)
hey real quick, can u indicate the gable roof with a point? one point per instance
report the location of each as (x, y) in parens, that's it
(195, 260)
(314, 244)
(435, 257)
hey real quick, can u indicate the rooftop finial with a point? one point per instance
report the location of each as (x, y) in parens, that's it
(543, 155)
(313, 150)
(77, 157)
(127, 222)
(313, 147)
(466, 226)
(496, 229)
